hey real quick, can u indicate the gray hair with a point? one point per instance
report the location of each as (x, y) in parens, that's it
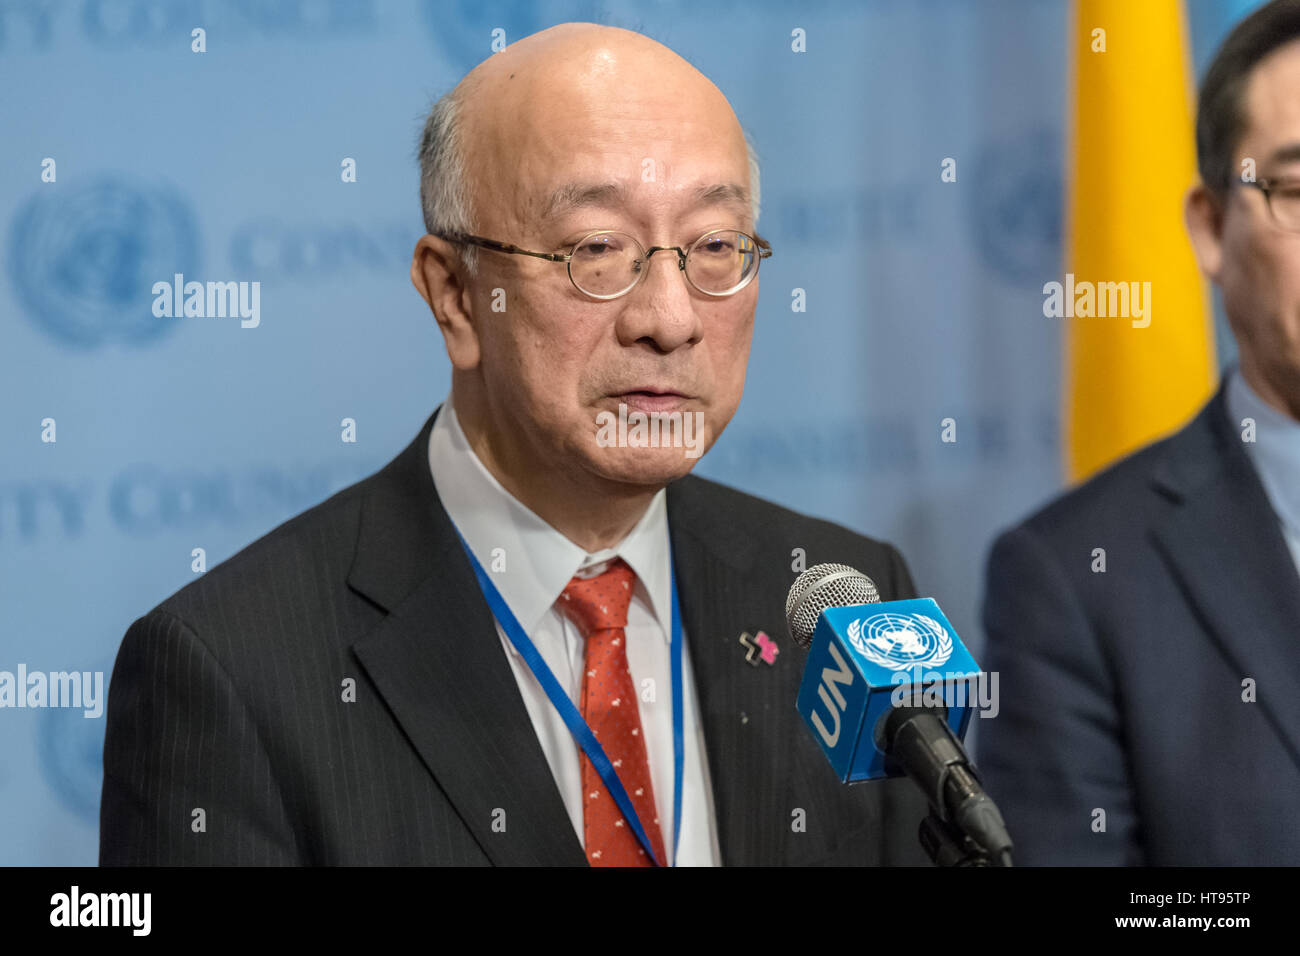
(444, 189)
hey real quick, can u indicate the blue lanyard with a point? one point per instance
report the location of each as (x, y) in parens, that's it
(581, 731)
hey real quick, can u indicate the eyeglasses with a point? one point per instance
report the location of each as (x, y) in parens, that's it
(609, 264)
(1283, 199)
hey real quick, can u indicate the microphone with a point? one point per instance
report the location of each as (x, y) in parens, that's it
(874, 719)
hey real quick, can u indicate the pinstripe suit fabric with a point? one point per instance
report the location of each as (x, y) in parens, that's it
(230, 738)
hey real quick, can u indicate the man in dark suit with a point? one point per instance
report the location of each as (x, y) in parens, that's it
(342, 691)
(1146, 626)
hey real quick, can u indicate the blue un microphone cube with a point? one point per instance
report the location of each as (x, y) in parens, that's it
(864, 659)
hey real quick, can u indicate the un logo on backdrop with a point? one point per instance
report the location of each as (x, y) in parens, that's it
(1015, 213)
(70, 749)
(83, 259)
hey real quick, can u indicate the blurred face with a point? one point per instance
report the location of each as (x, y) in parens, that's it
(1254, 259)
(661, 159)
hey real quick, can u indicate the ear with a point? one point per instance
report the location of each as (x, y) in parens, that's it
(437, 274)
(1203, 214)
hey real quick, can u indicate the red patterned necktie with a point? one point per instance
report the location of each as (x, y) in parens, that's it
(598, 605)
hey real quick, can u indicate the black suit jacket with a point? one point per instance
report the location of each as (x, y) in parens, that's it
(1122, 691)
(226, 706)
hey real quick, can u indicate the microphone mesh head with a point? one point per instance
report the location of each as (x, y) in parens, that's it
(820, 587)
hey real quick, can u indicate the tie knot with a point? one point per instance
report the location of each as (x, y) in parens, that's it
(600, 602)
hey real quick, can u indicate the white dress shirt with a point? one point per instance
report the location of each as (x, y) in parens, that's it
(1275, 453)
(530, 563)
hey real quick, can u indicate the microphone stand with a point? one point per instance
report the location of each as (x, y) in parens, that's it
(948, 846)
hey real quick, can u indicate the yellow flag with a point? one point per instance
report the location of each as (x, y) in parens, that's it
(1130, 377)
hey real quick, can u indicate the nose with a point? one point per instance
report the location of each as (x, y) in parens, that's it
(660, 310)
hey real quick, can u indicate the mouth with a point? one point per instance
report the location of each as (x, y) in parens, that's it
(651, 398)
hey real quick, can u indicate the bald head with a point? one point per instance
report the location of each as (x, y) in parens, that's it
(494, 149)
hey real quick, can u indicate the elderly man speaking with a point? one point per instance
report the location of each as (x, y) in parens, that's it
(532, 638)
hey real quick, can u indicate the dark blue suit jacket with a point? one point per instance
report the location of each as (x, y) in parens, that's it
(1123, 691)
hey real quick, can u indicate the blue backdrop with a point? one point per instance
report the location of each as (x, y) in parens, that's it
(923, 298)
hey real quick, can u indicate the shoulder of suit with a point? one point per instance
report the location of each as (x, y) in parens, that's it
(773, 525)
(318, 542)
(1125, 495)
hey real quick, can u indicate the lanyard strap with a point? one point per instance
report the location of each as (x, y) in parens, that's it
(573, 719)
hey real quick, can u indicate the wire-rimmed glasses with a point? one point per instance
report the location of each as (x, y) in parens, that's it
(607, 264)
(1283, 199)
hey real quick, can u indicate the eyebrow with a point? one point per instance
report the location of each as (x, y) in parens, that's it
(572, 196)
(1289, 153)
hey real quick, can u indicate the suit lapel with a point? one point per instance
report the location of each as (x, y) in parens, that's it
(1223, 541)
(438, 663)
(717, 588)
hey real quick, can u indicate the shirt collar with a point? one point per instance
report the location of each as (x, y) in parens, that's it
(1275, 452)
(538, 560)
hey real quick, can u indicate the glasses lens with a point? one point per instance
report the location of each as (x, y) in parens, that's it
(606, 264)
(1285, 200)
(722, 262)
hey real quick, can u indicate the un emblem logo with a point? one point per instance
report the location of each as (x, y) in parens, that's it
(71, 753)
(901, 641)
(83, 259)
(1015, 215)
